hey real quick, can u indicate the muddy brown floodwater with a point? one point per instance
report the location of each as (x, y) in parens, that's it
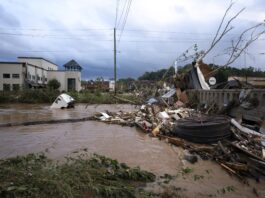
(125, 144)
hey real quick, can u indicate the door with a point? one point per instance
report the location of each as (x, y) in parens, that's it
(71, 84)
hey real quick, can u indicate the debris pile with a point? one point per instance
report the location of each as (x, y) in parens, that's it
(237, 142)
(238, 149)
(243, 155)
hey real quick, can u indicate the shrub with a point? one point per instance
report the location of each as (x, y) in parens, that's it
(54, 84)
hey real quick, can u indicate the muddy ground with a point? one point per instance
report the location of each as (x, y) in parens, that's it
(129, 145)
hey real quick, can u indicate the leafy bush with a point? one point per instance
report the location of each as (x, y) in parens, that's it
(54, 84)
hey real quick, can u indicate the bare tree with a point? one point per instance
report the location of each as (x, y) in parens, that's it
(223, 29)
(242, 43)
(238, 45)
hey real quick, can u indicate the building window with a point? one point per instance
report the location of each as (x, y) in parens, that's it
(38, 78)
(6, 87)
(6, 75)
(15, 87)
(46, 79)
(15, 75)
(29, 76)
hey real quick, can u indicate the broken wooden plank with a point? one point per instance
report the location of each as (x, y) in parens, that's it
(237, 166)
(228, 168)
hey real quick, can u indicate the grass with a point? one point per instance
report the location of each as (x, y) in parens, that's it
(223, 191)
(34, 175)
(186, 170)
(98, 97)
(29, 96)
(48, 96)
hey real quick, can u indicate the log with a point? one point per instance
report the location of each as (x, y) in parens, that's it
(37, 122)
(246, 130)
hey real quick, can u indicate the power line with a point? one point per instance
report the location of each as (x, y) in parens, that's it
(172, 32)
(88, 37)
(52, 29)
(125, 19)
(52, 36)
(117, 12)
(180, 40)
(121, 13)
(62, 51)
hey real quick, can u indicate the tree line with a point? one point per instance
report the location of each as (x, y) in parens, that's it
(221, 76)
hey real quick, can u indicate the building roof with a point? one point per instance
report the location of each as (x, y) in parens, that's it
(8, 62)
(72, 63)
(30, 57)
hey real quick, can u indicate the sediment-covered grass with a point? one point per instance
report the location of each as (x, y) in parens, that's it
(34, 175)
(48, 96)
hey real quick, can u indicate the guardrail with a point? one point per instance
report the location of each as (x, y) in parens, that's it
(224, 96)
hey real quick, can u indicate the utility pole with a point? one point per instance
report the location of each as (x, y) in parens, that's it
(115, 53)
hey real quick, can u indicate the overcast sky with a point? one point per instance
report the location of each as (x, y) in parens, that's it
(156, 32)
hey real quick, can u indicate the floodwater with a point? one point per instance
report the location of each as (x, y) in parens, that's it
(125, 144)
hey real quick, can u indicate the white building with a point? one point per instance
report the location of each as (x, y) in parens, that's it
(35, 72)
(70, 78)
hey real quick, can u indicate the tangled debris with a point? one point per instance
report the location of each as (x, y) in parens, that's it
(36, 176)
(239, 150)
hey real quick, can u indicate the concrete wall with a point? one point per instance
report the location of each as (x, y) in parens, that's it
(224, 96)
(77, 76)
(39, 62)
(33, 72)
(11, 68)
(49, 66)
(63, 76)
(37, 70)
(36, 62)
(60, 76)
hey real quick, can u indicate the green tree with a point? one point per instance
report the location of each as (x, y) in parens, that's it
(54, 84)
(158, 75)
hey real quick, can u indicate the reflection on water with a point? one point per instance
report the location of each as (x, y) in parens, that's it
(123, 143)
(28, 112)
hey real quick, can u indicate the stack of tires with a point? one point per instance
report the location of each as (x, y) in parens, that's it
(203, 129)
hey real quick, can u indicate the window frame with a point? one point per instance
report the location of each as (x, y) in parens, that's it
(16, 74)
(4, 88)
(5, 75)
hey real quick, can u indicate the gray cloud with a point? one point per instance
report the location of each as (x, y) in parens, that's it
(7, 19)
(162, 30)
